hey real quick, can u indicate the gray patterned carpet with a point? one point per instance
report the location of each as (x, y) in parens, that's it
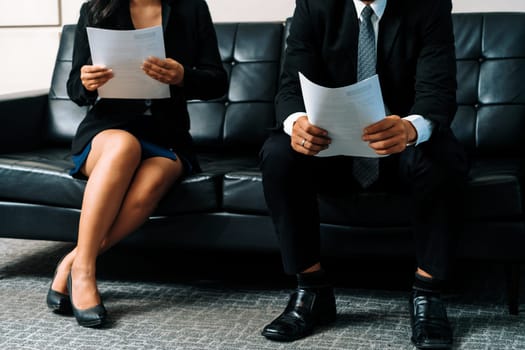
(156, 301)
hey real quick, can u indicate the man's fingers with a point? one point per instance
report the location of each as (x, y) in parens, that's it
(308, 144)
(389, 146)
(383, 124)
(303, 124)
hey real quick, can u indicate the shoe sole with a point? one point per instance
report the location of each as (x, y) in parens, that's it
(61, 310)
(281, 338)
(432, 346)
(323, 321)
(92, 324)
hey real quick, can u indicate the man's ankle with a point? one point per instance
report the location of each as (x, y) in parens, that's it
(427, 286)
(313, 280)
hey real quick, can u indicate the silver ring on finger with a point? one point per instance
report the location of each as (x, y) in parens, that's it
(302, 143)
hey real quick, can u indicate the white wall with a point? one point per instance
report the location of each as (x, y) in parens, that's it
(488, 5)
(30, 30)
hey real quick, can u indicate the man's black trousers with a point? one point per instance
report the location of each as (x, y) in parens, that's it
(432, 175)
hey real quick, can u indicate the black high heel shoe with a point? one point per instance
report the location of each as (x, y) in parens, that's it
(58, 302)
(93, 317)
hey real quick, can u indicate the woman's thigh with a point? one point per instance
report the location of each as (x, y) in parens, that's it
(120, 146)
(154, 177)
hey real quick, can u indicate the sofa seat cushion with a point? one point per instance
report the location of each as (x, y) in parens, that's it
(224, 162)
(236, 192)
(501, 182)
(42, 177)
(243, 192)
(196, 193)
(495, 189)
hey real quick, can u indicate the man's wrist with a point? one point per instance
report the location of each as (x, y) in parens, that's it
(290, 120)
(411, 132)
(422, 126)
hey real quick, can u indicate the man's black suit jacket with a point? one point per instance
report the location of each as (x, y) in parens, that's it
(415, 63)
(415, 55)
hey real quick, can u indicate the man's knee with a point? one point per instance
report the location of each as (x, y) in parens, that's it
(276, 153)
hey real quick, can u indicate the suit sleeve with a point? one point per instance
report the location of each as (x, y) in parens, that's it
(435, 87)
(81, 56)
(301, 55)
(206, 79)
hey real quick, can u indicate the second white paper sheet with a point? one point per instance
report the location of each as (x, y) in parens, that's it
(344, 112)
(124, 51)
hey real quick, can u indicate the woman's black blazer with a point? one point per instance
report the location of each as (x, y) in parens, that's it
(189, 38)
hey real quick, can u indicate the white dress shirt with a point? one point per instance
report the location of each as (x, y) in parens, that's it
(422, 125)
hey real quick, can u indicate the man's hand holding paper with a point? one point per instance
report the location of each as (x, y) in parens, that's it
(353, 118)
(389, 135)
(307, 138)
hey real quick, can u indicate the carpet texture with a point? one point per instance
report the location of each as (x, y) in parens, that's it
(174, 303)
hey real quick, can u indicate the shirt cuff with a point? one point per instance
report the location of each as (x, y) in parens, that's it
(288, 122)
(423, 126)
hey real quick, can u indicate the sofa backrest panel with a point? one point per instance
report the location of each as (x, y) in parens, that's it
(251, 54)
(491, 89)
(490, 54)
(64, 115)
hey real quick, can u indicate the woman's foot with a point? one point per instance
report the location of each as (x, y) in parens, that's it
(85, 289)
(85, 298)
(63, 268)
(57, 298)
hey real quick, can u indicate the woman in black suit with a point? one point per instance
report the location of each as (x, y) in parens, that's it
(131, 151)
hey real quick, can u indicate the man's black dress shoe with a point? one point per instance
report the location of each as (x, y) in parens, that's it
(58, 302)
(430, 326)
(306, 309)
(93, 317)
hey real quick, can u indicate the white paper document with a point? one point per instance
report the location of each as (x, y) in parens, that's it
(344, 112)
(124, 51)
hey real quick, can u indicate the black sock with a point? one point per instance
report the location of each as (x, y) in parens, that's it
(427, 286)
(316, 279)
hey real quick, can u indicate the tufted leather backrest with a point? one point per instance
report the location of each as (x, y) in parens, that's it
(64, 115)
(490, 53)
(491, 86)
(251, 54)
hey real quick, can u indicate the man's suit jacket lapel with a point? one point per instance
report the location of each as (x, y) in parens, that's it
(344, 31)
(388, 33)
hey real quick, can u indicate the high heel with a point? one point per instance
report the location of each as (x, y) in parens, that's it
(93, 317)
(58, 302)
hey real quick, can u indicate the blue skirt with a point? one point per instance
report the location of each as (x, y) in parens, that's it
(148, 150)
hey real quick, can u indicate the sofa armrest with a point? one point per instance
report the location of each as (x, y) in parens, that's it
(22, 120)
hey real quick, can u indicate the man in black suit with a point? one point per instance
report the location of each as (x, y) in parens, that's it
(410, 45)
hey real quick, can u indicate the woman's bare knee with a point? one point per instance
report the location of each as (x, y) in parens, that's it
(118, 147)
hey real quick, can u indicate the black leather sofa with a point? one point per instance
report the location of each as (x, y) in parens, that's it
(223, 207)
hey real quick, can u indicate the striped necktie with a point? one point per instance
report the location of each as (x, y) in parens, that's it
(366, 170)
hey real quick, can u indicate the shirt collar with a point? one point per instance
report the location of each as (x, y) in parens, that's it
(378, 6)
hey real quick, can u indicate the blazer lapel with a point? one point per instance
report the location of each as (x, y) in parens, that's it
(166, 11)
